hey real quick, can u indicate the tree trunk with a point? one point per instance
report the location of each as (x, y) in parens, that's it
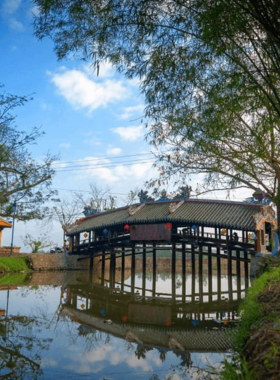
(277, 204)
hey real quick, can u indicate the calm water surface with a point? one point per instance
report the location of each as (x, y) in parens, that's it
(168, 327)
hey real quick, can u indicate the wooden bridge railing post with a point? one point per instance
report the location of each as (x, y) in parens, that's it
(132, 269)
(144, 271)
(123, 268)
(238, 271)
(210, 271)
(183, 272)
(173, 272)
(112, 268)
(200, 269)
(200, 260)
(90, 250)
(193, 271)
(219, 285)
(246, 268)
(154, 270)
(229, 262)
(144, 258)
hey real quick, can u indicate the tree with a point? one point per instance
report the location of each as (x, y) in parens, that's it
(66, 212)
(210, 73)
(23, 181)
(131, 197)
(36, 244)
(99, 199)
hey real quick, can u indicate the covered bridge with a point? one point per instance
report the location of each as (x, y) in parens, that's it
(227, 224)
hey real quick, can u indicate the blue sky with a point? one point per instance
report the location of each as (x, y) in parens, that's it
(92, 122)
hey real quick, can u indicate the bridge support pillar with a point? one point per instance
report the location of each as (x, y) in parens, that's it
(154, 269)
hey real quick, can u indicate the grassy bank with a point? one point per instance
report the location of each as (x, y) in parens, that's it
(14, 264)
(15, 279)
(257, 343)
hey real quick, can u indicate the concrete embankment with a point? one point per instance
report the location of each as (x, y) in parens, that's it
(55, 261)
(62, 261)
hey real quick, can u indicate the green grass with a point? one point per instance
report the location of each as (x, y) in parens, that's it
(16, 279)
(250, 311)
(14, 264)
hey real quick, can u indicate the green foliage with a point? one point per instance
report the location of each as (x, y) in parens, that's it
(36, 244)
(23, 181)
(236, 370)
(14, 264)
(209, 72)
(270, 360)
(251, 311)
(15, 279)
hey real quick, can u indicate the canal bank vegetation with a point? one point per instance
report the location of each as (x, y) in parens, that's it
(15, 279)
(257, 342)
(14, 264)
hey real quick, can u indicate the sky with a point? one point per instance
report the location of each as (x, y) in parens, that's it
(92, 122)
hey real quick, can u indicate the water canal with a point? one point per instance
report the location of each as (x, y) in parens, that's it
(115, 325)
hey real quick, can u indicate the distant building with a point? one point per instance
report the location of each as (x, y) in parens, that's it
(3, 224)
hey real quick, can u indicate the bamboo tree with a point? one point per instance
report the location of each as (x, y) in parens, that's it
(210, 74)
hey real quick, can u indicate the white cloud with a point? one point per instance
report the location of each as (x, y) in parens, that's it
(140, 171)
(92, 142)
(105, 70)
(82, 92)
(8, 9)
(59, 165)
(35, 11)
(105, 172)
(45, 106)
(129, 133)
(65, 145)
(14, 24)
(130, 111)
(95, 168)
(11, 6)
(113, 151)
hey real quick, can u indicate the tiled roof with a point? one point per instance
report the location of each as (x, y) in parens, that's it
(199, 339)
(206, 213)
(5, 224)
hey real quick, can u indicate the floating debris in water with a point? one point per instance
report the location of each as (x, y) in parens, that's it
(108, 321)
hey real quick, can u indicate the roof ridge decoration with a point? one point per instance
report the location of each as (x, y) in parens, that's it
(144, 197)
(174, 206)
(184, 193)
(88, 211)
(133, 209)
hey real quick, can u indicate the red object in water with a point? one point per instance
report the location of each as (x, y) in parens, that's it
(168, 322)
(124, 318)
(126, 227)
(168, 226)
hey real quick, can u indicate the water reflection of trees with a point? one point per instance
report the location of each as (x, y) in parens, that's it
(20, 353)
(20, 357)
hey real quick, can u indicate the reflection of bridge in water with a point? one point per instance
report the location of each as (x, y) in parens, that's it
(197, 314)
(205, 246)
